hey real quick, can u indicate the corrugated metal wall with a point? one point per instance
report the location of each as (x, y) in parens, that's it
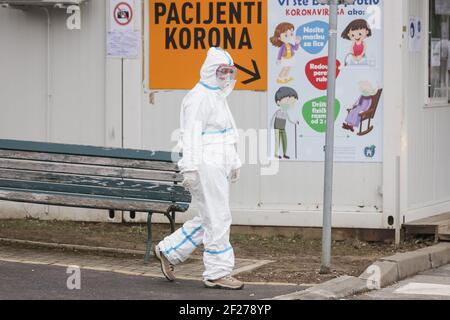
(428, 133)
(67, 65)
(52, 86)
(23, 80)
(85, 107)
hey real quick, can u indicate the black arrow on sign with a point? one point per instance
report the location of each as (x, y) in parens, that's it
(255, 74)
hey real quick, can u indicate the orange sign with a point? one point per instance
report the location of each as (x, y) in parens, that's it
(181, 32)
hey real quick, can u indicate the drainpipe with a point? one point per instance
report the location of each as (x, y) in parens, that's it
(398, 222)
(48, 88)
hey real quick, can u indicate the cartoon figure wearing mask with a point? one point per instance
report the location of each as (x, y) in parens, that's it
(285, 39)
(208, 138)
(285, 98)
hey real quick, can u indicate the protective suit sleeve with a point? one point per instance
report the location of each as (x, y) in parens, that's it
(194, 114)
(237, 164)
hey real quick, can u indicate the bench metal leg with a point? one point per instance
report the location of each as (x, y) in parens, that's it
(174, 218)
(148, 251)
(172, 221)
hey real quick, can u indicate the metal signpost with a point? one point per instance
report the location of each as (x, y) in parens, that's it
(329, 144)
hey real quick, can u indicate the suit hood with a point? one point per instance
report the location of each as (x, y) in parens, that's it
(214, 58)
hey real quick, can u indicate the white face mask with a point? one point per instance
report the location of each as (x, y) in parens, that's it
(227, 86)
(292, 39)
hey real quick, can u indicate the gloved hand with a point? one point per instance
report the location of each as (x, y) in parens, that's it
(190, 179)
(235, 175)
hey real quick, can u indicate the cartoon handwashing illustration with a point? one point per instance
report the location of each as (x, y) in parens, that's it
(285, 39)
(357, 32)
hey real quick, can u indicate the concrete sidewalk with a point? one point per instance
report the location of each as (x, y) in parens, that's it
(382, 273)
(129, 264)
(38, 273)
(433, 284)
(23, 281)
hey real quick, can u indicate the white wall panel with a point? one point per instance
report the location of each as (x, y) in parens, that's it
(441, 170)
(86, 107)
(428, 144)
(53, 87)
(78, 84)
(23, 74)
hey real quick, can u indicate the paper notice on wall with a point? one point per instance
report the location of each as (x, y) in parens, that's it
(442, 7)
(435, 52)
(448, 50)
(419, 28)
(412, 34)
(124, 44)
(415, 34)
(124, 34)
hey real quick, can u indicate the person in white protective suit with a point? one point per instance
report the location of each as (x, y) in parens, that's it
(208, 138)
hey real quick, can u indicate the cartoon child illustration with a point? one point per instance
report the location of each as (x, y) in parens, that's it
(357, 31)
(363, 104)
(284, 39)
(285, 98)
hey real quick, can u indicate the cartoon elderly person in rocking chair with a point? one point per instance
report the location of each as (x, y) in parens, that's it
(362, 105)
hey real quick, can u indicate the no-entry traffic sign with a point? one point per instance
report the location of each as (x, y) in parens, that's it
(181, 32)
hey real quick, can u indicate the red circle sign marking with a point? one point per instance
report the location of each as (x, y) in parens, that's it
(123, 14)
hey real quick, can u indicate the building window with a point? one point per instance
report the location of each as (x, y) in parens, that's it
(438, 51)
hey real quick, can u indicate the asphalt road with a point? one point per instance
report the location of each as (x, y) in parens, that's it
(43, 282)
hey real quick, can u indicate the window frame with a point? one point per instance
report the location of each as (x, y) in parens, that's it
(429, 101)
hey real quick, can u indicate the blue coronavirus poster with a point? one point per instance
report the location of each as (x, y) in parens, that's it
(297, 81)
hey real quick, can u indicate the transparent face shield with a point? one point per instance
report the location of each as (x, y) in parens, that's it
(226, 75)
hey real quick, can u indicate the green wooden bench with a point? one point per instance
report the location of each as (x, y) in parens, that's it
(93, 177)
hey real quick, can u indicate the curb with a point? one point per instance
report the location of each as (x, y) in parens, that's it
(382, 273)
(73, 247)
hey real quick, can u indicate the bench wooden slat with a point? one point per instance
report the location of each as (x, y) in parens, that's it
(81, 150)
(152, 175)
(99, 191)
(92, 170)
(99, 161)
(104, 182)
(91, 202)
(91, 177)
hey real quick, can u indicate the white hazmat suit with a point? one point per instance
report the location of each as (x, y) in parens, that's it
(208, 138)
